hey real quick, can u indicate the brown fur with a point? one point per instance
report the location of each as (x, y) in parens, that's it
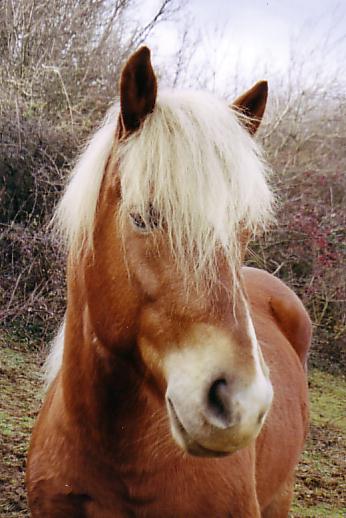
(101, 446)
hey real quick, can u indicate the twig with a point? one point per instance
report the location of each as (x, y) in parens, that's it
(57, 71)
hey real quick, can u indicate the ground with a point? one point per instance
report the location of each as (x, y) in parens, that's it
(320, 488)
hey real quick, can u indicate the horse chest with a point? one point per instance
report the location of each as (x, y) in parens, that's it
(165, 501)
(197, 489)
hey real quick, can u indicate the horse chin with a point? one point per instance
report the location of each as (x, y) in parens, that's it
(188, 443)
(196, 450)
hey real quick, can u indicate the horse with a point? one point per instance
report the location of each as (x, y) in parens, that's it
(178, 380)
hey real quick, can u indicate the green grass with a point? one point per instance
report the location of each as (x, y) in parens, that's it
(316, 511)
(20, 396)
(328, 399)
(321, 483)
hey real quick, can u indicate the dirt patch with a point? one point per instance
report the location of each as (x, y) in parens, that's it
(320, 485)
(320, 488)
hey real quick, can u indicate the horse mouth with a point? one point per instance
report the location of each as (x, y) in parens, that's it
(190, 445)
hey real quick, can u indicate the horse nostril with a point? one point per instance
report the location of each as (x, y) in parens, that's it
(219, 404)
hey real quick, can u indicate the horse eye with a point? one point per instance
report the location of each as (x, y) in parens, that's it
(138, 221)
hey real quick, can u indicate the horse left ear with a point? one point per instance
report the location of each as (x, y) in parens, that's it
(252, 103)
(138, 89)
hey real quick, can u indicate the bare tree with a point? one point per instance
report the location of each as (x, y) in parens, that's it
(60, 53)
(59, 67)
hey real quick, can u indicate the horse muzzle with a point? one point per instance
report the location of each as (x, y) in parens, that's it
(221, 421)
(218, 391)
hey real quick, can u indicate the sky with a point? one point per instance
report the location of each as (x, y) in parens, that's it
(250, 37)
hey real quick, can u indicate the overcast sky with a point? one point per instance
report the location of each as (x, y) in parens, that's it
(259, 34)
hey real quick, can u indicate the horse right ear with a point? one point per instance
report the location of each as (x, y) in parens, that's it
(138, 89)
(252, 103)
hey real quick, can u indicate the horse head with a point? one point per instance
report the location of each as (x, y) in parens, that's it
(184, 187)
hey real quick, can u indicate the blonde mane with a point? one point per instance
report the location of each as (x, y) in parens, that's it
(194, 162)
(74, 216)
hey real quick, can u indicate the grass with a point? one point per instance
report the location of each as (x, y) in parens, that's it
(321, 485)
(320, 510)
(320, 488)
(328, 397)
(20, 397)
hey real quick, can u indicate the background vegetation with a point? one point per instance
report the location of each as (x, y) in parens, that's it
(60, 61)
(59, 65)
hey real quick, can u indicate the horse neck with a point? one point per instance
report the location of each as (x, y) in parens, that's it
(108, 396)
(101, 374)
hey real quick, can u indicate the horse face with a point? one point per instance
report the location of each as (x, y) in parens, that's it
(200, 346)
(196, 339)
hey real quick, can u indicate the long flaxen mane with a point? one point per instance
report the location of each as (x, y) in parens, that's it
(193, 161)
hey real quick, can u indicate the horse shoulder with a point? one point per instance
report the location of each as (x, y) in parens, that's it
(270, 295)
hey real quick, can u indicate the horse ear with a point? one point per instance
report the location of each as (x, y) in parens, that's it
(252, 103)
(138, 89)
